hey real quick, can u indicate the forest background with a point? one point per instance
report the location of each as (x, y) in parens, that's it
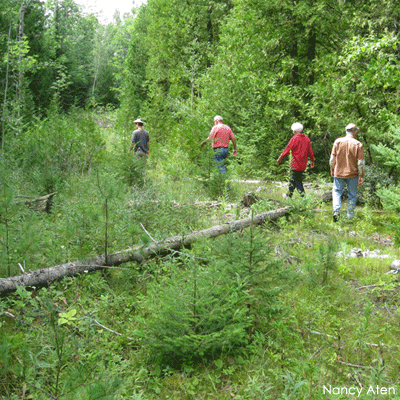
(70, 89)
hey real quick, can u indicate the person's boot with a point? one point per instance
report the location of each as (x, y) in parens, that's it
(336, 216)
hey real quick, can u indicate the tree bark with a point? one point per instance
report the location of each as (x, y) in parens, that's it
(45, 276)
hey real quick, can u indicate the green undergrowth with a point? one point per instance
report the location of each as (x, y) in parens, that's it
(277, 311)
(271, 312)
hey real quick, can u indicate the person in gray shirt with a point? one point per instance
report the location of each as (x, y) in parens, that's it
(140, 140)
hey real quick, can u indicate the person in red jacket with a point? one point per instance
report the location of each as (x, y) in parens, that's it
(300, 148)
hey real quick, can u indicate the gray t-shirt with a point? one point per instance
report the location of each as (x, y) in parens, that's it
(141, 139)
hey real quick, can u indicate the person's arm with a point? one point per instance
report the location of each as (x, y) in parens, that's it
(285, 152)
(234, 144)
(311, 155)
(148, 147)
(332, 163)
(132, 142)
(332, 160)
(361, 165)
(205, 141)
(211, 136)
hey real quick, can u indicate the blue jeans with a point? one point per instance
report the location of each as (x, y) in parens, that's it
(337, 192)
(219, 156)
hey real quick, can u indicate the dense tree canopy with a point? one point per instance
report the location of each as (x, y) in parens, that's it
(53, 56)
(261, 64)
(264, 65)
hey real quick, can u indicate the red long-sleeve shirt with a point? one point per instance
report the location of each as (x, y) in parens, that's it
(300, 147)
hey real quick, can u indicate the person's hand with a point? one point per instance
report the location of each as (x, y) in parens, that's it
(234, 152)
(360, 180)
(312, 164)
(278, 160)
(203, 143)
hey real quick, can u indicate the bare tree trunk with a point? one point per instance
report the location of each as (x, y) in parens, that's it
(96, 73)
(191, 97)
(5, 92)
(45, 276)
(20, 40)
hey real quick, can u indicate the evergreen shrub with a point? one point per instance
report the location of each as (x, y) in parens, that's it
(193, 315)
(216, 185)
(132, 170)
(390, 198)
(324, 264)
(375, 178)
(201, 311)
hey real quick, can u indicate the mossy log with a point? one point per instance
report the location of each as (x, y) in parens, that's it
(43, 277)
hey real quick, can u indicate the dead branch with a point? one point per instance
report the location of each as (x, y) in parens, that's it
(334, 337)
(110, 330)
(353, 365)
(147, 233)
(368, 287)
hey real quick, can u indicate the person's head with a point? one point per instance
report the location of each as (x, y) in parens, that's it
(297, 127)
(218, 119)
(351, 129)
(139, 122)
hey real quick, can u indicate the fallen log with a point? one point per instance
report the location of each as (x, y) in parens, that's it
(42, 203)
(43, 277)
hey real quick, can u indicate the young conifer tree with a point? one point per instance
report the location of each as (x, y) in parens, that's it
(204, 310)
(390, 158)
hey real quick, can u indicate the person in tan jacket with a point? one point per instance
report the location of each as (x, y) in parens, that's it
(347, 168)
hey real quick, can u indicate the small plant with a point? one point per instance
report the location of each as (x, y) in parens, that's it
(327, 259)
(324, 264)
(132, 170)
(303, 207)
(363, 331)
(257, 386)
(192, 316)
(64, 365)
(108, 189)
(7, 212)
(264, 205)
(292, 386)
(18, 235)
(217, 185)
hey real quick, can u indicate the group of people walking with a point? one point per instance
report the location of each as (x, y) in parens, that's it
(346, 162)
